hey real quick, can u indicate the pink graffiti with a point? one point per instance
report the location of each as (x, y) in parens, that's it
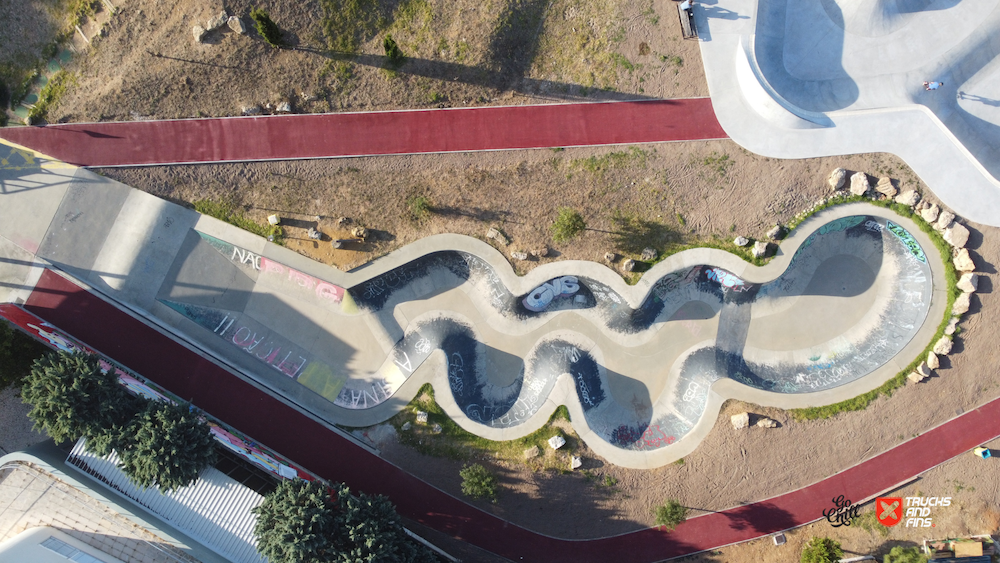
(323, 290)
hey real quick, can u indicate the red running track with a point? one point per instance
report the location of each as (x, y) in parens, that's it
(371, 133)
(131, 342)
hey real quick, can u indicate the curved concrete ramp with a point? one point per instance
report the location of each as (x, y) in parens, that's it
(857, 69)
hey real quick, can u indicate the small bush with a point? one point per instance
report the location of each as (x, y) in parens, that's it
(478, 482)
(266, 27)
(392, 51)
(671, 514)
(822, 550)
(50, 94)
(419, 206)
(567, 225)
(900, 554)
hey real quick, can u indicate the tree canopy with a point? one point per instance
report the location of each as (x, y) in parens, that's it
(300, 521)
(166, 445)
(17, 352)
(70, 397)
(822, 550)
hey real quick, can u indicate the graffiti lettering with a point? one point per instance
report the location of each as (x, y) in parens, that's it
(690, 392)
(245, 257)
(725, 278)
(540, 298)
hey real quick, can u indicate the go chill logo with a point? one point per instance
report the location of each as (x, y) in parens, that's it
(915, 512)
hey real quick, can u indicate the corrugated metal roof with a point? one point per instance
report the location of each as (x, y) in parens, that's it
(215, 510)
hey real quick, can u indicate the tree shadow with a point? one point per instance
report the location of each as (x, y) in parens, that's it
(476, 213)
(761, 517)
(515, 40)
(630, 234)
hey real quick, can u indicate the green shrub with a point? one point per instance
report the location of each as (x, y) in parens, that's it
(478, 482)
(671, 514)
(50, 94)
(822, 550)
(567, 225)
(900, 554)
(266, 27)
(392, 51)
(419, 206)
(17, 352)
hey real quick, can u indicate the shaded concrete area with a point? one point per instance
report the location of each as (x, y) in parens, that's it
(849, 299)
(795, 79)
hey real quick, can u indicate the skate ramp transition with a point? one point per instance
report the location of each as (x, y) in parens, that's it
(643, 369)
(846, 76)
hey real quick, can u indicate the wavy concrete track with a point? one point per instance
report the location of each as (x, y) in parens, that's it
(371, 133)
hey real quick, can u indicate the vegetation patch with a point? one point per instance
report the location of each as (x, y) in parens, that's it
(228, 212)
(670, 514)
(478, 482)
(17, 352)
(568, 224)
(599, 165)
(455, 443)
(49, 96)
(266, 27)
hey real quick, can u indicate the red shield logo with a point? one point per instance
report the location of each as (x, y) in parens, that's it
(889, 510)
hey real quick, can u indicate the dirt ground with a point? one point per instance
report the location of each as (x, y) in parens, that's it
(463, 53)
(147, 65)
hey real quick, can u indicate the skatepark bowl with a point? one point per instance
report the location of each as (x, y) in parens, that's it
(643, 369)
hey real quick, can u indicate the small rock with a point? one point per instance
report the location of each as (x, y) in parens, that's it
(314, 234)
(741, 241)
(952, 325)
(765, 422)
(522, 256)
(776, 233)
(406, 425)
(915, 377)
(963, 262)
(740, 421)
(648, 254)
(969, 282)
(961, 305)
(610, 256)
(436, 428)
(541, 252)
(575, 462)
(932, 360)
(628, 265)
(859, 184)
(837, 178)
(237, 25)
(495, 234)
(359, 232)
(557, 442)
(944, 220)
(886, 188)
(199, 34)
(931, 213)
(923, 370)
(218, 21)
(909, 197)
(957, 235)
(422, 417)
(943, 346)
(532, 452)
(921, 206)
(759, 249)
(344, 221)
(283, 107)
(273, 220)
(250, 110)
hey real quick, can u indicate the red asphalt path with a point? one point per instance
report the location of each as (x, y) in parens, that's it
(371, 133)
(139, 347)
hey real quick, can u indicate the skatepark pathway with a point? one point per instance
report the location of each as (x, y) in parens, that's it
(371, 133)
(131, 342)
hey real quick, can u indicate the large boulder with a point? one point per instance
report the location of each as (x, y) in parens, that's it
(923, 369)
(740, 421)
(885, 187)
(944, 220)
(930, 214)
(628, 265)
(859, 183)
(741, 241)
(776, 233)
(837, 178)
(759, 249)
(237, 25)
(962, 303)
(969, 282)
(915, 377)
(909, 197)
(952, 326)
(932, 360)
(221, 19)
(199, 33)
(963, 262)
(648, 254)
(943, 346)
(957, 235)
(765, 422)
